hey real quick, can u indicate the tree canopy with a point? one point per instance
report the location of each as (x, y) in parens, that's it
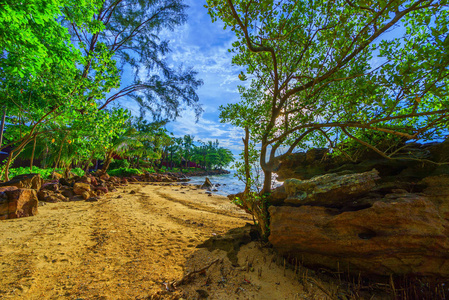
(132, 34)
(61, 65)
(324, 73)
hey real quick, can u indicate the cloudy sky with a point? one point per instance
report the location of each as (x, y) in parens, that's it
(204, 46)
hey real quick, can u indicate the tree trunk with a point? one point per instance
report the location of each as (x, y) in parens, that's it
(266, 182)
(2, 127)
(32, 154)
(59, 155)
(8, 163)
(86, 168)
(106, 163)
(246, 158)
(12, 157)
(67, 170)
(44, 158)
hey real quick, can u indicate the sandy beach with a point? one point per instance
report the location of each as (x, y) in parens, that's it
(133, 244)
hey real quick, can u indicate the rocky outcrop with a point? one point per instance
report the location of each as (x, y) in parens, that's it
(392, 221)
(400, 234)
(18, 203)
(315, 162)
(329, 189)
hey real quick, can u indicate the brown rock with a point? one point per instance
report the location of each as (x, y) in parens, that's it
(115, 179)
(25, 181)
(49, 196)
(7, 188)
(278, 195)
(55, 175)
(101, 189)
(85, 179)
(93, 181)
(437, 190)
(80, 187)
(4, 208)
(22, 203)
(207, 184)
(105, 177)
(329, 189)
(86, 195)
(51, 186)
(400, 234)
(67, 192)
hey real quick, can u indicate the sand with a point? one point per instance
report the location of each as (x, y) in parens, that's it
(133, 243)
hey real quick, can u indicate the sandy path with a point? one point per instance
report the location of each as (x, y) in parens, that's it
(129, 242)
(121, 247)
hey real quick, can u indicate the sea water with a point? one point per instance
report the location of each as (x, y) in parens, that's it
(225, 184)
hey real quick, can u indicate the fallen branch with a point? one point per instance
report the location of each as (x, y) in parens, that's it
(170, 286)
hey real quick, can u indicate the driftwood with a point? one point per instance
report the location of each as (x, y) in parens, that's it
(170, 286)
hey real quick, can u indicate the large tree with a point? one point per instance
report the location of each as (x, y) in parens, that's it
(325, 72)
(132, 34)
(38, 65)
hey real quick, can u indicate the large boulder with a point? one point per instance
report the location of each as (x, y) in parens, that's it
(25, 181)
(18, 203)
(398, 233)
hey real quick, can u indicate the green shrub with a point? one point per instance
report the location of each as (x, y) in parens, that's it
(119, 163)
(144, 163)
(191, 170)
(78, 172)
(150, 170)
(45, 173)
(124, 172)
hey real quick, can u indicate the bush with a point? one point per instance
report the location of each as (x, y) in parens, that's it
(78, 172)
(150, 170)
(45, 173)
(191, 170)
(124, 172)
(119, 163)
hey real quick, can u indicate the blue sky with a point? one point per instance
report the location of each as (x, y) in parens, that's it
(204, 46)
